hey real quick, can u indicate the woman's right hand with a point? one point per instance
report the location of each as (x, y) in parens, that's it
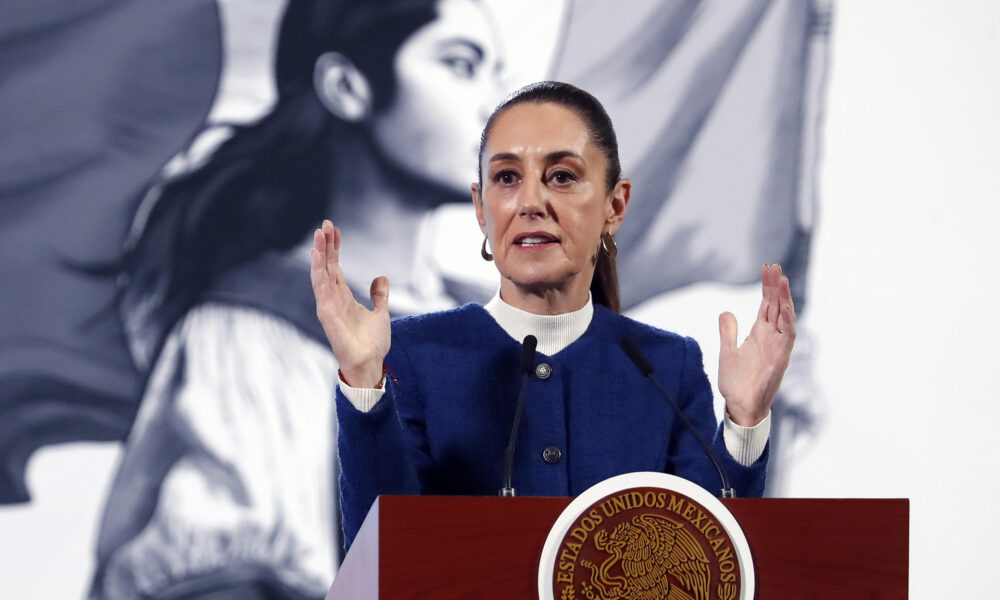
(359, 337)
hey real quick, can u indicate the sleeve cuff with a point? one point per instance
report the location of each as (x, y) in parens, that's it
(745, 444)
(363, 399)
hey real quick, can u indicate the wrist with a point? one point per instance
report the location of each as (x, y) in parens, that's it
(362, 376)
(745, 418)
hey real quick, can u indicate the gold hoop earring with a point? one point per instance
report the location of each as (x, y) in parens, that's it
(609, 249)
(484, 252)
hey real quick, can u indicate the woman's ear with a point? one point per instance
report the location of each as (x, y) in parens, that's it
(477, 200)
(618, 205)
(342, 88)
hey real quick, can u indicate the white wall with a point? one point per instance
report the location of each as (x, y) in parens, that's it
(904, 287)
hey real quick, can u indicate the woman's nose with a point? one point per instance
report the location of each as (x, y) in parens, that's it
(485, 110)
(493, 93)
(532, 201)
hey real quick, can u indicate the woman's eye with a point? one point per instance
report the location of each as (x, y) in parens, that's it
(460, 67)
(562, 177)
(505, 178)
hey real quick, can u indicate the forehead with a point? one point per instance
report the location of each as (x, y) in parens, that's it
(538, 127)
(461, 20)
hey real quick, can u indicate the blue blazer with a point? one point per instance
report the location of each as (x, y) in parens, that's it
(443, 425)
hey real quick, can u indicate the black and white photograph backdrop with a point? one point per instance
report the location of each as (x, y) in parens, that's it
(167, 423)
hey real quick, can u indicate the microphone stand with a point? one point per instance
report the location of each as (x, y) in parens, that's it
(527, 365)
(645, 367)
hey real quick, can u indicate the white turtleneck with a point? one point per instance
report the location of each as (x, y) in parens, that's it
(554, 333)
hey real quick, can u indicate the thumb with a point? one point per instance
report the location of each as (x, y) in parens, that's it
(727, 331)
(380, 293)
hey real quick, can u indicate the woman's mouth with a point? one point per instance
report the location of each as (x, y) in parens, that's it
(535, 239)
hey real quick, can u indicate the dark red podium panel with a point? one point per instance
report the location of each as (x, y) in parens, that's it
(444, 547)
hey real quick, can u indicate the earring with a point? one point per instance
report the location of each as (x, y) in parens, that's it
(611, 249)
(484, 252)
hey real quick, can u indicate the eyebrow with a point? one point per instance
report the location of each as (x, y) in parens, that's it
(561, 154)
(550, 157)
(463, 42)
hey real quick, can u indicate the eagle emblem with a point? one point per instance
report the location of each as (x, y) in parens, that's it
(646, 536)
(650, 557)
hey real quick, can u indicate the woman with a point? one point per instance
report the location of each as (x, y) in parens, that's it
(425, 403)
(365, 91)
(228, 480)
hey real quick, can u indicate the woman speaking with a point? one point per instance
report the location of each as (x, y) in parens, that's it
(425, 404)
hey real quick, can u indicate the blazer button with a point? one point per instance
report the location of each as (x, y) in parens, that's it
(543, 371)
(552, 455)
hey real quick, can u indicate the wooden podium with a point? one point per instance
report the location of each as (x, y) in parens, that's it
(442, 547)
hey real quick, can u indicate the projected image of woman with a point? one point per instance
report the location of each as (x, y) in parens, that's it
(228, 481)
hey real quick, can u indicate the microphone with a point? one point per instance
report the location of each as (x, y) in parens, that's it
(645, 367)
(527, 366)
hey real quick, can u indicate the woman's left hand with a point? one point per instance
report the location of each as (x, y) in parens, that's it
(749, 374)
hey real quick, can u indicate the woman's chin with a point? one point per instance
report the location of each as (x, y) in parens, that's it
(539, 279)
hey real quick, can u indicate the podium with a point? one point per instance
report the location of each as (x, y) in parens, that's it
(444, 547)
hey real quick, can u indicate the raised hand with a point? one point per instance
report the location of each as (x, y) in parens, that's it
(749, 374)
(359, 337)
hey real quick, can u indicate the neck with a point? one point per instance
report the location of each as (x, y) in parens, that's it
(378, 209)
(548, 299)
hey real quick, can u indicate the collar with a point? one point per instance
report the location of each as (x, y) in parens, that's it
(554, 332)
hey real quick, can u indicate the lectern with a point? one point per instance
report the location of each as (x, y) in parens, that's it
(443, 547)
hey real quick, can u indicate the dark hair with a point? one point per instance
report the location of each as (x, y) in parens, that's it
(266, 186)
(604, 286)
